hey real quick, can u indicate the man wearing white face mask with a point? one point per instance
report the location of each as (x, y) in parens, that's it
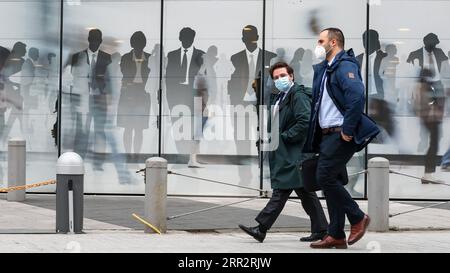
(290, 112)
(338, 129)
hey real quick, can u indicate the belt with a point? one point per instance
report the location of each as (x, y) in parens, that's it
(330, 130)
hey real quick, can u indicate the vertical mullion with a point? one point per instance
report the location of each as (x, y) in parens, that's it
(58, 113)
(366, 153)
(261, 99)
(161, 58)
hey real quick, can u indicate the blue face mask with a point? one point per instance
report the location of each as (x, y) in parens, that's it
(283, 84)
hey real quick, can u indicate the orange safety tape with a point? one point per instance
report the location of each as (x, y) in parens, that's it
(35, 185)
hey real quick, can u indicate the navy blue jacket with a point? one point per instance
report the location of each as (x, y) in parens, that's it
(346, 89)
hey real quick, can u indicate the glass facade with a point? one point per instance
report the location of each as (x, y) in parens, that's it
(29, 76)
(110, 83)
(188, 81)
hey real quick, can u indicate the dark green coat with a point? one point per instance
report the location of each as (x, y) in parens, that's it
(285, 160)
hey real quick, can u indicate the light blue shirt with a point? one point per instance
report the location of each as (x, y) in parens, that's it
(329, 115)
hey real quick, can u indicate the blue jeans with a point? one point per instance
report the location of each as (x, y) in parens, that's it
(446, 159)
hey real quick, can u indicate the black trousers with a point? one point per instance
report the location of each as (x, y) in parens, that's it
(430, 157)
(310, 203)
(433, 128)
(334, 156)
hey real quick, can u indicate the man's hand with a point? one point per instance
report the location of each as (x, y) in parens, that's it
(346, 137)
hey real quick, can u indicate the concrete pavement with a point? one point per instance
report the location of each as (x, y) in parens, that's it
(95, 241)
(109, 227)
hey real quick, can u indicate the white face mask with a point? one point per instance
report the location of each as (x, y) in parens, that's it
(321, 52)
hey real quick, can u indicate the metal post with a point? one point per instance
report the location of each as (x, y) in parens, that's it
(69, 193)
(16, 168)
(156, 193)
(378, 194)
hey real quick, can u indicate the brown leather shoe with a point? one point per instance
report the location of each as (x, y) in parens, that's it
(330, 242)
(357, 231)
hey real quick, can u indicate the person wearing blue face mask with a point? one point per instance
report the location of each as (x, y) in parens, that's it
(290, 111)
(283, 84)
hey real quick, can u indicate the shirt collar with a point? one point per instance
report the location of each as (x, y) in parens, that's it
(189, 49)
(426, 52)
(141, 59)
(332, 60)
(255, 53)
(90, 52)
(290, 87)
(284, 94)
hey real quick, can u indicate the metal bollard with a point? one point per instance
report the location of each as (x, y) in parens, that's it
(156, 193)
(378, 194)
(16, 168)
(69, 193)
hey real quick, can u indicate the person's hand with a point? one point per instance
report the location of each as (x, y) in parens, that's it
(346, 137)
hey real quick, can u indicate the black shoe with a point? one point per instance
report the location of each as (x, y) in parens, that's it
(254, 232)
(314, 237)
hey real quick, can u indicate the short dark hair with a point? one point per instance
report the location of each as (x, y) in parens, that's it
(95, 33)
(249, 29)
(289, 69)
(187, 32)
(137, 37)
(335, 33)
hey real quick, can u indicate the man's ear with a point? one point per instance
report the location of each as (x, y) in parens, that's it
(335, 42)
